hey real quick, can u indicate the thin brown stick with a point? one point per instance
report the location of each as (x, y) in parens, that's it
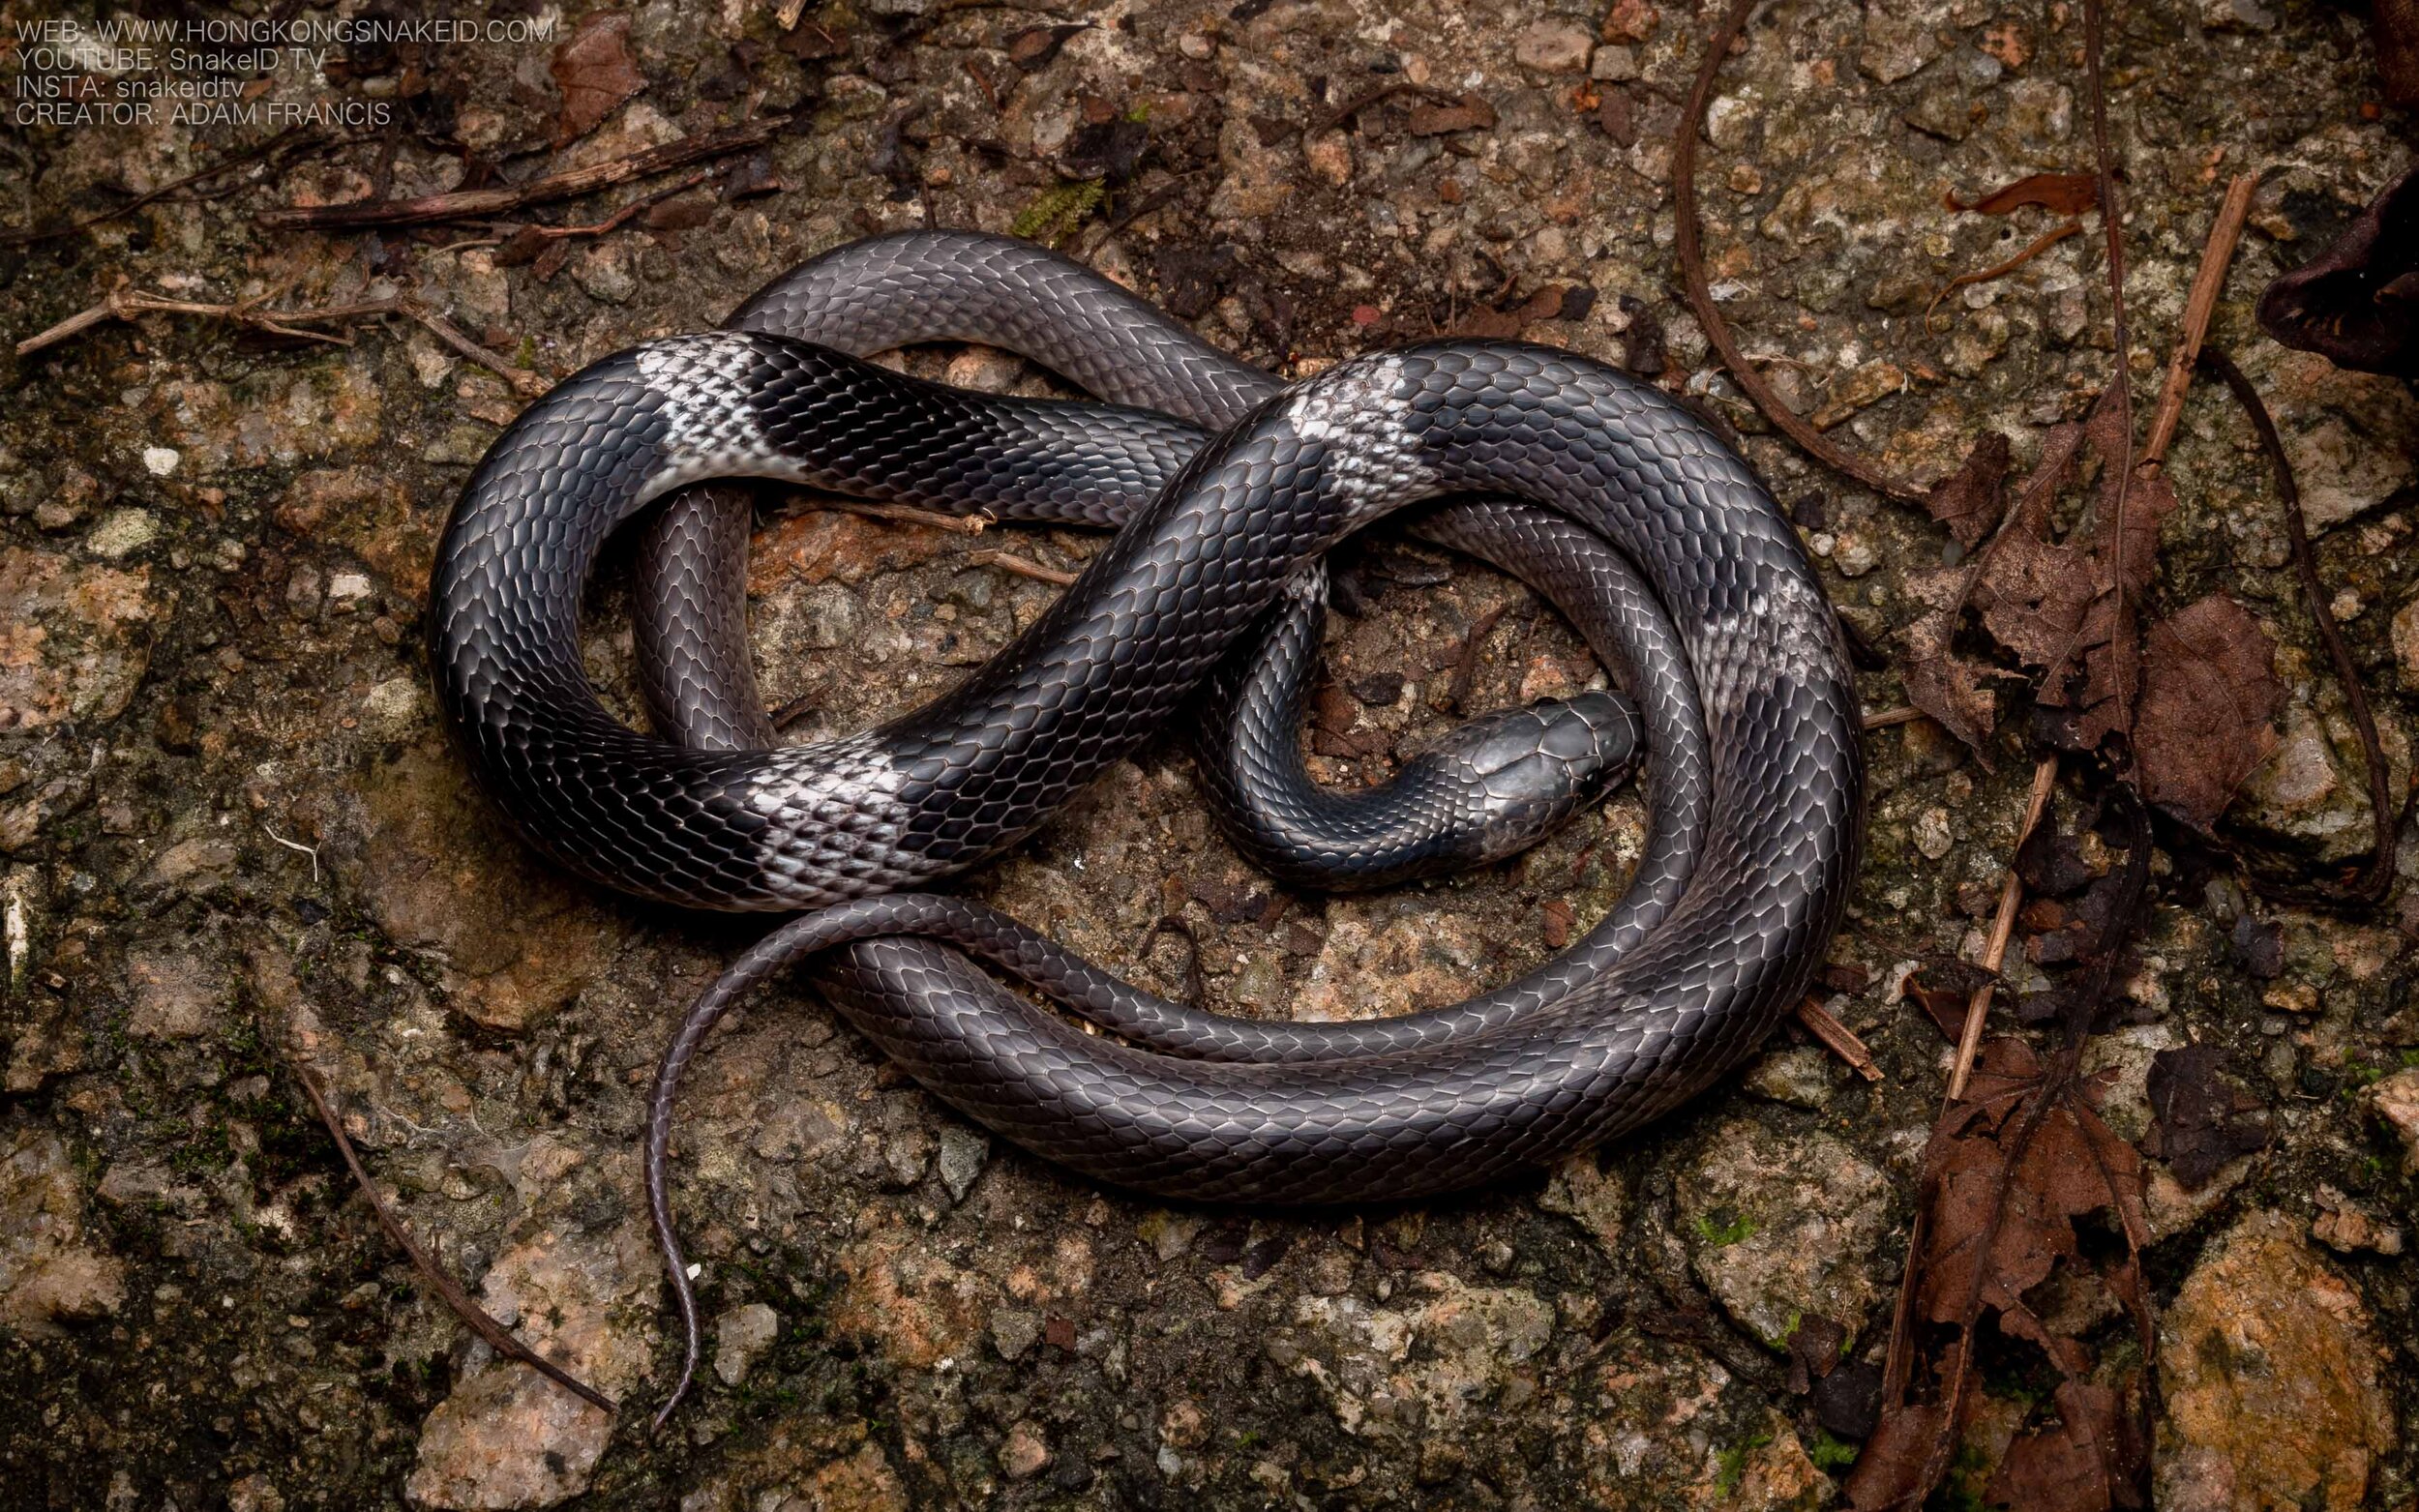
(1904, 714)
(480, 1322)
(2002, 930)
(126, 303)
(1700, 292)
(2379, 875)
(2113, 226)
(2038, 244)
(1377, 97)
(470, 203)
(235, 159)
(528, 384)
(2217, 254)
(1011, 562)
(1838, 1038)
(909, 515)
(621, 217)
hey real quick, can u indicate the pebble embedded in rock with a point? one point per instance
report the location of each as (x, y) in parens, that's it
(741, 1335)
(963, 1153)
(1780, 1226)
(1801, 1076)
(2396, 1100)
(2269, 1371)
(1025, 1451)
(1013, 1331)
(50, 1273)
(1552, 47)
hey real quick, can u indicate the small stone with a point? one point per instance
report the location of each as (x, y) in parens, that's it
(2343, 471)
(828, 616)
(507, 1437)
(2269, 1370)
(2346, 1228)
(204, 859)
(1329, 156)
(963, 1154)
(604, 270)
(2310, 794)
(305, 591)
(741, 1335)
(1778, 1227)
(2396, 1100)
(1898, 41)
(122, 532)
(1581, 1191)
(986, 369)
(1932, 836)
(176, 995)
(1630, 20)
(48, 1275)
(160, 461)
(1801, 1076)
(2406, 634)
(1615, 65)
(1183, 1426)
(1013, 1331)
(1025, 1453)
(255, 1494)
(1554, 47)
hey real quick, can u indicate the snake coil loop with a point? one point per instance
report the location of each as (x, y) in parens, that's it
(1609, 499)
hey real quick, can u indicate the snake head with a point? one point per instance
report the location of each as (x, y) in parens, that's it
(1526, 771)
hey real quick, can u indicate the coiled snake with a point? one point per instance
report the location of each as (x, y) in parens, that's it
(1198, 612)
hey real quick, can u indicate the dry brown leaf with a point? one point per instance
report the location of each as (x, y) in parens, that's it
(2201, 1119)
(2061, 194)
(1970, 500)
(1941, 683)
(2090, 1461)
(1891, 1471)
(1433, 118)
(2209, 703)
(2067, 1170)
(595, 74)
(2054, 604)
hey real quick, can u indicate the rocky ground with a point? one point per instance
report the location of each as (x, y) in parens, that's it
(234, 834)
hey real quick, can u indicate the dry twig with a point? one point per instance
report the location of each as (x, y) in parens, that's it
(480, 1322)
(2217, 254)
(235, 159)
(1838, 1038)
(1700, 292)
(2379, 875)
(1011, 562)
(2038, 244)
(474, 204)
(2002, 930)
(125, 304)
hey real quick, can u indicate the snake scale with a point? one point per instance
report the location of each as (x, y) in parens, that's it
(1616, 503)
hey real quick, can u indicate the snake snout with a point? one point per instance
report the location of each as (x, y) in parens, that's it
(1532, 769)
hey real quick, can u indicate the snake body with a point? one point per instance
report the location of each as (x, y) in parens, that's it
(1757, 803)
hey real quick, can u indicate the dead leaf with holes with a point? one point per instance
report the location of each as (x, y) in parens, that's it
(594, 73)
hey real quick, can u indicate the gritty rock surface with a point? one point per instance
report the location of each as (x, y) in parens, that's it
(1779, 1227)
(2272, 1375)
(233, 834)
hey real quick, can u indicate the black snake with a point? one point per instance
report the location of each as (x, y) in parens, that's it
(1194, 613)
